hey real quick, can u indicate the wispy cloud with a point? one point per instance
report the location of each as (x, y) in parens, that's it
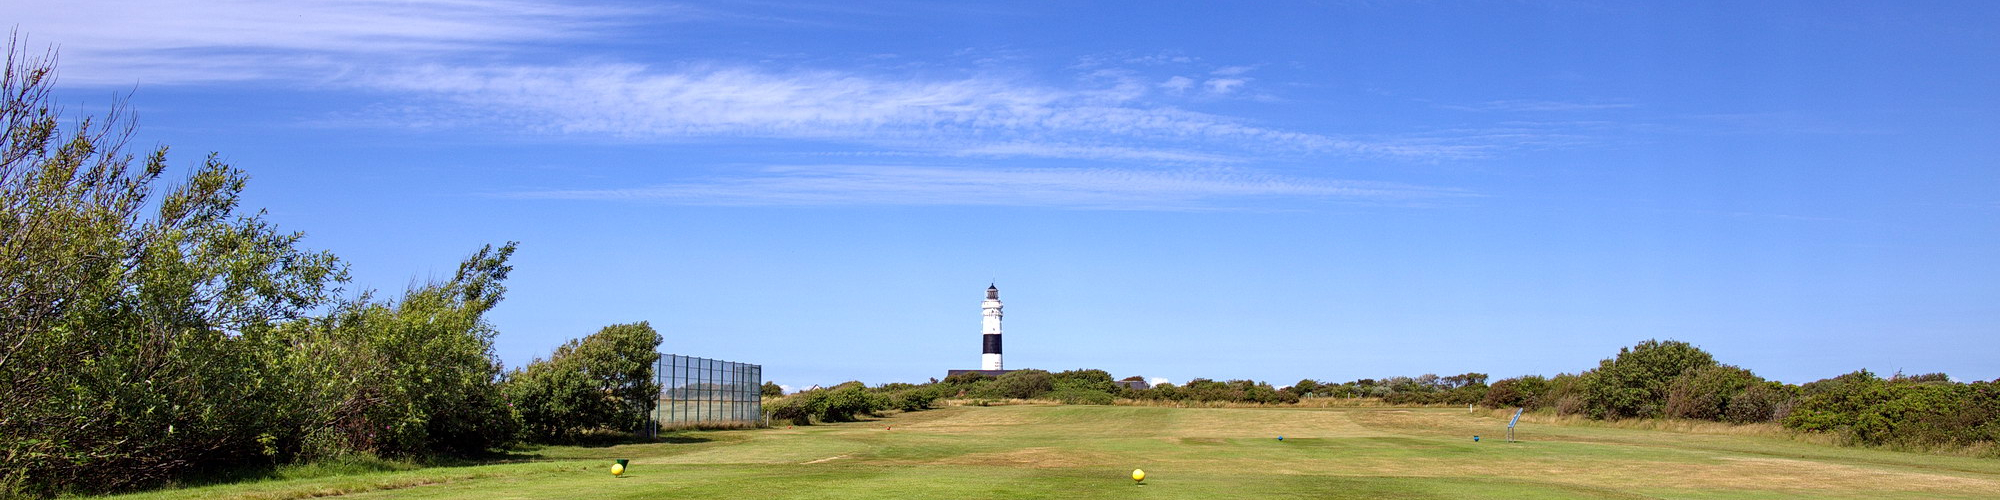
(642, 102)
(1224, 85)
(1530, 105)
(188, 41)
(1231, 70)
(1088, 151)
(459, 64)
(1088, 189)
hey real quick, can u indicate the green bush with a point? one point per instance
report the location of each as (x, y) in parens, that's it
(1022, 384)
(399, 378)
(848, 403)
(1704, 392)
(602, 381)
(917, 398)
(152, 331)
(1084, 380)
(1517, 392)
(1081, 397)
(1566, 393)
(1865, 409)
(1635, 383)
(798, 409)
(1764, 402)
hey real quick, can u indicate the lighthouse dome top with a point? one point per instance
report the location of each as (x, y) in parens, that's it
(992, 292)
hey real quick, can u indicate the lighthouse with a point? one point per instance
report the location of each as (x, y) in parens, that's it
(989, 329)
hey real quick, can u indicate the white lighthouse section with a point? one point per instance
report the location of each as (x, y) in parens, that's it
(989, 329)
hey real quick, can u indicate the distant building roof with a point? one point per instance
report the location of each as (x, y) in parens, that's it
(1137, 385)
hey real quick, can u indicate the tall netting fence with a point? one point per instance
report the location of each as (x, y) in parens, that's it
(707, 393)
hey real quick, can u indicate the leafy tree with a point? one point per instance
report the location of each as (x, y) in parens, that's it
(1084, 380)
(1763, 402)
(916, 398)
(1704, 392)
(1023, 384)
(847, 402)
(404, 377)
(602, 381)
(122, 305)
(798, 409)
(771, 390)
(1635, 383)
(1463, 380)
(1517, 392)
(965, 378)
(1305, 387)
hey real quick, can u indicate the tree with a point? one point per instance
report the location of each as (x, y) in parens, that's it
(602, 381)
(1704, 392)
(771, 390)
(123, 306)
(1635, 383)
(1084, 380)
(1023, 384)
(1517, 392)
(405, 377)
(1305, 387)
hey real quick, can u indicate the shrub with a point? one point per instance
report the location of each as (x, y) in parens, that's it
(1763, 402)
(846, 403)
(1521, 392)
(1635, 383)
(602, 381)
(1868, 410)
(1023, 384)
(1083, 380)
(1704, 392)
(965, 378)
(1566, 393)
(798, 409)
(1081, 397)
(917, 398)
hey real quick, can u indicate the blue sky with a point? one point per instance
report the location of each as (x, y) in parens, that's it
(1333, 190)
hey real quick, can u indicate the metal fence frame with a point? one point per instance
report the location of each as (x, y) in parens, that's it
(707, 393)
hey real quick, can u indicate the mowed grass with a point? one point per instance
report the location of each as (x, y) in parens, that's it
(1089, 451)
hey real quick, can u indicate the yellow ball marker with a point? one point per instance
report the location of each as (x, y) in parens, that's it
(1139, 475)
(617, 469)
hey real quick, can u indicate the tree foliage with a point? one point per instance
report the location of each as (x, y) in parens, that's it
(151, 329)
(123, 303)
(1867, 409)
(406, 377)
(602, 381)
(1636, 382)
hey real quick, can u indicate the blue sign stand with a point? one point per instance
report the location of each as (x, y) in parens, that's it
(1510, 424)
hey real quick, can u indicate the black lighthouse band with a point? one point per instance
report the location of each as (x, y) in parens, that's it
(992, 344)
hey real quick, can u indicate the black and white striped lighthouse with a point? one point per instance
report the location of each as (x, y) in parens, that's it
(989, 329)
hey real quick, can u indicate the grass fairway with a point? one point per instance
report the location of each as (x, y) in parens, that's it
(1088, 452)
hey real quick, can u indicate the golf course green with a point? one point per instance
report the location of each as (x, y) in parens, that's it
(1034, 451)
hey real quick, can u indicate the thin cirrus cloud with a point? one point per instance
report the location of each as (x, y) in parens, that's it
(1086, 189)
(1529, 105)
(116, 42)
(411, 53)
(967, 116)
